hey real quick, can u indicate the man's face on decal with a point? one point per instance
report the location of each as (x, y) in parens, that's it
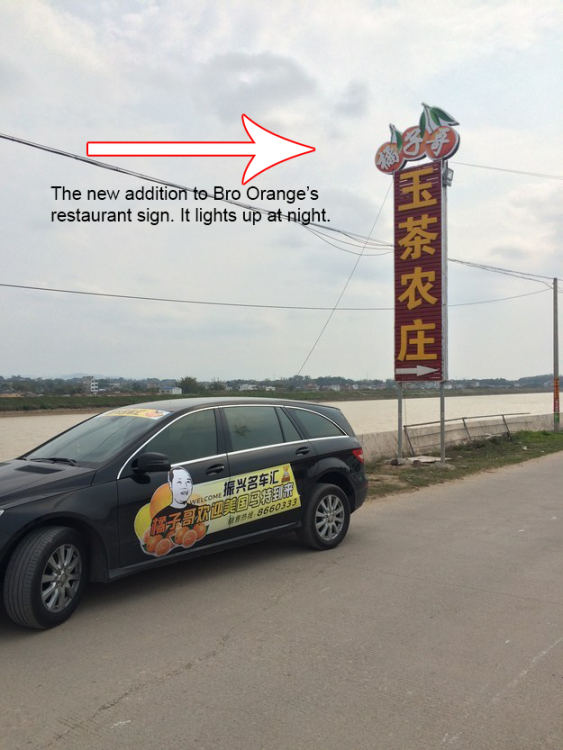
(181, 486)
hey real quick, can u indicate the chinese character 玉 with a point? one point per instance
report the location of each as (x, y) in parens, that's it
(421, 196)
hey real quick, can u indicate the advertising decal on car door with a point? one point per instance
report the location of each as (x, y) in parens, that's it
(180, 513)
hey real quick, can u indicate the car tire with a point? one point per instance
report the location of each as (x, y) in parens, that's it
(326, 518)
(45, 577)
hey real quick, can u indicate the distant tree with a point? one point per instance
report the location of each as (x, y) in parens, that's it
(190, 385)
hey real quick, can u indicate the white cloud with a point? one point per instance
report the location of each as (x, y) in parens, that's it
(321, 73)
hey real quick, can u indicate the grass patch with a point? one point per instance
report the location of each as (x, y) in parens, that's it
(482, 455)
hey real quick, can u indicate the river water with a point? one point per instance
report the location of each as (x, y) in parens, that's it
(21, 433)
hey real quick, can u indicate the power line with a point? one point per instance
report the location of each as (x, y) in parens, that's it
(512, 171)
(528, 276)
(325, 326)
(242, 304)
(184, 301)
(498, 299)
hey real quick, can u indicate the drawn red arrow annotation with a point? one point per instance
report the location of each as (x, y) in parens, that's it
(265, 149)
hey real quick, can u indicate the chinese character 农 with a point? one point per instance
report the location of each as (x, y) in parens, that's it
(419, 340)
(421, 196)
(418, 285)
(417, 240)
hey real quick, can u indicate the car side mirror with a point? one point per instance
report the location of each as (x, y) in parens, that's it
(151, 462)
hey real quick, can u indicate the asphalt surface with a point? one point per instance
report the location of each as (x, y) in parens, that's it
(438, 623)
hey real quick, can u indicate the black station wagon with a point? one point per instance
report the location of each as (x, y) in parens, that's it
(147, 485)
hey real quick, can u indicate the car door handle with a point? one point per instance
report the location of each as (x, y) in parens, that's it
(215, 469)
(302, 451)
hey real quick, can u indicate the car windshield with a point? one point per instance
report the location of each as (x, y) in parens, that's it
(93, 442)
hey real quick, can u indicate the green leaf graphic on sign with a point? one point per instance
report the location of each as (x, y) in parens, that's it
(434, 116)
(445, 116)
(422, 124)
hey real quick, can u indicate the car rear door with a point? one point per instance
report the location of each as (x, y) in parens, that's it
(271, 465)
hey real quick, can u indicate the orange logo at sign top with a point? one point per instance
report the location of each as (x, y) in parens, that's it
(434, 137)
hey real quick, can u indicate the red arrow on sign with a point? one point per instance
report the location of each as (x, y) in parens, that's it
(266, 149)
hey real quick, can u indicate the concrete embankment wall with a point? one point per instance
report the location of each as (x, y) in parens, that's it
(418, 440)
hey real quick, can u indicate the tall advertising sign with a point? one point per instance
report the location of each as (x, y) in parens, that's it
(420, 325)
(420, 247)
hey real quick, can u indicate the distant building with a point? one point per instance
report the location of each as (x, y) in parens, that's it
(170, 390)
(89, 386)
(247, 387)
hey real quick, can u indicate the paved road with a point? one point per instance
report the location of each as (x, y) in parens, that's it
(437, 624)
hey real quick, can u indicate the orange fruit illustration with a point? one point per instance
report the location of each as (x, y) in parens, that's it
(200, 530)
(163, 547)
(160, 499)
(441, 143)
(189, 538)
(152, 543)
(388, 159)
(179, 536)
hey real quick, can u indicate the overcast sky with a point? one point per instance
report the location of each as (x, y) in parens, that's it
(328, 74)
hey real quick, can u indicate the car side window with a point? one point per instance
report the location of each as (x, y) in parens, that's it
(189, 438)
(252, 426)
(289, 430)
(316, 425)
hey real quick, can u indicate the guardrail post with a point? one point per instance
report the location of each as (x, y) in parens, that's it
(467, 429)
(409, 440)
(506, 425)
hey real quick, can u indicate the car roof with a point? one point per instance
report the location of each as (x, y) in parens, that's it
(184, 404)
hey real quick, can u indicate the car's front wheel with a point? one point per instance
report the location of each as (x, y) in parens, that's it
(326, 518)
(45, 577)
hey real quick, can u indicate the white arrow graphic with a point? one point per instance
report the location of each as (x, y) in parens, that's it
(418, 370)
(265, 149)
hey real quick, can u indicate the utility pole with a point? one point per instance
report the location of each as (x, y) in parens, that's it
(555, 358)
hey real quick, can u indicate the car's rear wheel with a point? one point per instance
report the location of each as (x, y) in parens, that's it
(326, 518)
(45, 577)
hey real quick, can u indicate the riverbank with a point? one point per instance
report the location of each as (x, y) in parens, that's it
(64, 404)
